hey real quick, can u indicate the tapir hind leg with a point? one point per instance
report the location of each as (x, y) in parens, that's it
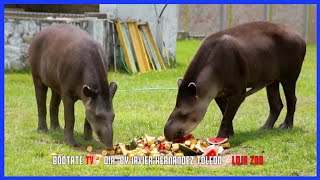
(275, 105)
(289, 89)
(54, 110)
(41, 96)
(226, 127)
(222, 103)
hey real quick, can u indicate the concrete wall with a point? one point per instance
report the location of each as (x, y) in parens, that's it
(146, 12)
(20, 31)
(242, 14)
(202, 20)
(292, 15)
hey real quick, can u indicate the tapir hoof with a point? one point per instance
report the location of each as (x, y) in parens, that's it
(55, 128)
(90, 139)
(42, 130)
(225, 134)
(285, 126)
(72, 143)
(265, 127)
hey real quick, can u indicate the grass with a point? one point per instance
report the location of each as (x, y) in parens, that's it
(138, 112)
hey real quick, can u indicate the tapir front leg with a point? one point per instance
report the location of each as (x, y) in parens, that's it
(88, 135)
(226, 127)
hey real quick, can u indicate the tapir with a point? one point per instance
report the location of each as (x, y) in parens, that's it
(233, 64)
(67, 60)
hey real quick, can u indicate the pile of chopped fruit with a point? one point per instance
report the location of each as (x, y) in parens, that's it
(152, 146)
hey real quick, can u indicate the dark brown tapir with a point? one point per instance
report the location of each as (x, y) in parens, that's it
(252, 55)
(68, 61)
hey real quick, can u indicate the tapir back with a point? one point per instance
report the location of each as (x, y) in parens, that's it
(61, 49)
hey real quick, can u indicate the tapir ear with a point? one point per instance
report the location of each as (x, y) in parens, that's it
(113, 88)
(192, 87)
(179, 81)
(89, 92)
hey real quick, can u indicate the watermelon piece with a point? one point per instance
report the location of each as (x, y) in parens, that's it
(187, 151)
(162, 147)
(184, 138)
(201, 148)
(133, 144)
(147, 148)
(217, 140)
(212, 150)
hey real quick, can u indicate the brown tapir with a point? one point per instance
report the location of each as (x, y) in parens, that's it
(68, 61)
(252, 55)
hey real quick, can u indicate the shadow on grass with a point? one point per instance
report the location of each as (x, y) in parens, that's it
(264, 135)
(58, 136)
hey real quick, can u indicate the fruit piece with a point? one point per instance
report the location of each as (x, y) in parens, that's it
(104, 152)
(175, 147)
(118, 151)
(169, 153)
(213, 150)
(128, 146)
(89, 149)
(167, 146)
(204, 143)
(226, 145)
(161, 138)
(154, 151)
(187, 151)
(179, 154)
(123, 149)
(153, 146)
(157, 142)
(184, 138)
(162, 147)
(140, 141)
(149, 139)
(193, 141)
(192, 146)
(141, 146)
(129, 152)
(200, 146)
(210, 151)
(145, 152)
(217, 140)
(112, 152)
(133, 144)
(187, 143)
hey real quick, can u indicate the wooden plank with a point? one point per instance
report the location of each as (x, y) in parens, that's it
(145, 44)
(151, 50)
(129, 45)
(138, 47)
(154, 45)
(131, 66)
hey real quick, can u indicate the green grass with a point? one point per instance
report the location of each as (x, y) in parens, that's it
(285, 152)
